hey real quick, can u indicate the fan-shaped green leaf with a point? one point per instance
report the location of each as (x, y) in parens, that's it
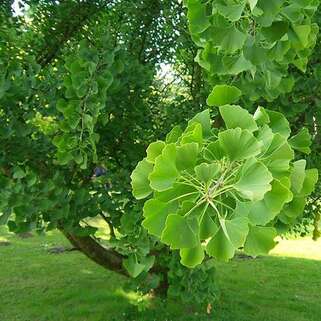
(233, 40)
(298, 176)
(311, 178)
(279, 123)
(208, 227)
(192, 257)
(223, 94)
(292, 210)
(206, 172)
(261, 116)
(252, 4)
(133, 267)
(235, 116)
(139, 179)
(213, 151)
(228, 239)
(260, 240)
(174, 135)
(178, 233)
(198, 19)
(186, 156)
(254, 181)
(239, 144)
(203, 118)
(154, 150)
(276, 31)
(232, 12)
(220, 247)
(165, 172)
(155, 213)
(193, 134)
(301, 141)
(278, 156)
(179, 192)
(262, 212)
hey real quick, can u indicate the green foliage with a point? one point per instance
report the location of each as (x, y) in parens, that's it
(202, 280)
(90, 74)
(255, 42)
(76, 101)
(215, 191)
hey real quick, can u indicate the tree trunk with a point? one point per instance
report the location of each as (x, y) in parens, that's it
(107, 258)
(111, 260)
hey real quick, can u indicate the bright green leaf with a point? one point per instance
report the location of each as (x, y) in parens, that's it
(239, 144)
(192, 257)
(301, 141)
(164, 172)
(260, 240)
(298, 175)
(223, 95)
(154, 150)
(139, 179)
(178, 234)
(235, 116)
(186, 156)
(206, 172)
(254, 181)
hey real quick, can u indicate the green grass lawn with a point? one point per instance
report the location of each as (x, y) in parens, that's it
(38, 286)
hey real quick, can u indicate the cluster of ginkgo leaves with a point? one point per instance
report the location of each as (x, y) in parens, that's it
(214, 191)
(89, 75)
(255, 40)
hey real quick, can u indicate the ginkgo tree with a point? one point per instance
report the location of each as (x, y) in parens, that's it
(80, 105)
(213, 191)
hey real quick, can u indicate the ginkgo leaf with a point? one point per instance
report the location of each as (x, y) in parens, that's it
(154, 150)
(278, 156)
(178, 233)
(311, 178)
(235, 116)
(260, 240)
(199, 21)
(228, 239)
(164, 172)
(186, 156)
(233, 40)
(301, 141)
(223, 95)
(203, 118)
(133, 267)
(298, 175)
(220, 247)
(254, 181)
(192, 257)
(192, 134)
(239, 144)
(174, 135)
(232, 12)
(252, 4)
(139, 179)
(279, 123)
(262, 212)
(261, 116)
(208, 227)
(206, 172)
(213, 151)
(155, 213)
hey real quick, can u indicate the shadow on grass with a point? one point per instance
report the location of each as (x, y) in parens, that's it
(38, 286)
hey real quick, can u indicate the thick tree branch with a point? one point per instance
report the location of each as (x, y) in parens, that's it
(107, 258)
